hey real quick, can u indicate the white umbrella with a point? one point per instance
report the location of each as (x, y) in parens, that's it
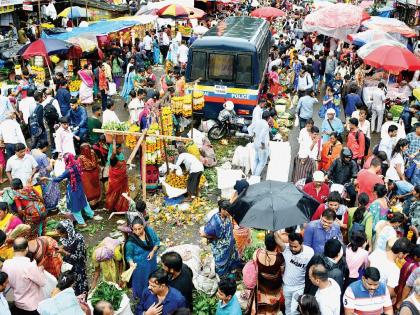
(200, 29)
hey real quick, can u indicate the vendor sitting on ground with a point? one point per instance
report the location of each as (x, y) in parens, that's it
(195, 169)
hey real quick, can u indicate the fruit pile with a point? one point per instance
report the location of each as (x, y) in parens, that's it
(74, 85)
(198, 100)
(180, 182)
(167, 121)
(130, 140)
(39, 72)
(187, 108)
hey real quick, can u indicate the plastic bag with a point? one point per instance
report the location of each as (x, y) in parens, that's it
(112, 88)
(126, 275)
(172, 192)
(51, 283)
(59, 167)
(66, 267)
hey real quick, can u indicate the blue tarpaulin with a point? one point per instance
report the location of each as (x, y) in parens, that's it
(98, 28)
(386, 11)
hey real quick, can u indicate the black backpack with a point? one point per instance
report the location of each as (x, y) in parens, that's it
(50, 113)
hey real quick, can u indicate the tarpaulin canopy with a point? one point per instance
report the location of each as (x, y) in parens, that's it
(338, 20)
(98, 28)
(389, 25)
(267, 13)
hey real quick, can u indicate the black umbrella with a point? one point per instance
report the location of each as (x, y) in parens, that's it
(272, 205)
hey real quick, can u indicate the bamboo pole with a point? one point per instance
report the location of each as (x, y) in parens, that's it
(143, 169)
(136, 148)
(138, 134)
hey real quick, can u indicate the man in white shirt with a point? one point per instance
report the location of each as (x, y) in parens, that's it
(195, 169)
(389, 120)
(396, 248)
(318, 47)
(261, 131)
(4, 283)
(109, 115)
(21, 165)
(136, 105)
(378, 107)
(148, 45)
(50, 99)
(328, 295)
(296, 257)
(164, 42)
(387, 143)
(27, 105)
(25, 278)
(5, 107)
(183, 54)
(11, 133)
(256, 116)
(64, 142)
(305, 82)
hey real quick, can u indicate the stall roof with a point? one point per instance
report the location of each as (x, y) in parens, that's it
(415, 3)
(98, 28)
(102, 5)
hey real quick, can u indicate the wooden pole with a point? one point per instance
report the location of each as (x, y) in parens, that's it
(164, 141)
(136, 148)
(143, 169)
(138, 134)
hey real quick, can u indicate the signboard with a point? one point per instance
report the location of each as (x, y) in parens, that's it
(4, 3)
(7, 9)
(28, 7)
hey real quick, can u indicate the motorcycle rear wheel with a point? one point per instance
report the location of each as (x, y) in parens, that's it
(217, 132)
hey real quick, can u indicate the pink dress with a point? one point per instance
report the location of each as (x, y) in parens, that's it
(356, 261)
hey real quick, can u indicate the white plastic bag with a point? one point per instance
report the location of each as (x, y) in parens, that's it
(51, 283)
(112, 88)
(59, 167)
(172, 192)
(66, 267)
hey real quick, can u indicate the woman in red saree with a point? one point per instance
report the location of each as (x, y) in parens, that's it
(90, 174)
(273, 79)
(117, 180)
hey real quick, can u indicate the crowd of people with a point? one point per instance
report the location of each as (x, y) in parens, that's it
(359, 254)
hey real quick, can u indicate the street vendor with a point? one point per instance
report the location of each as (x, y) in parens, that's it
(195, 169)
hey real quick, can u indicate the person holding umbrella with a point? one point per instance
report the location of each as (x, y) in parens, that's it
(219, 232)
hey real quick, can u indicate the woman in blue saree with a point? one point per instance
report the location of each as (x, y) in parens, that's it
(140, 249)
(50, 190)
(156, 51)
(219, 232)
(128, 84)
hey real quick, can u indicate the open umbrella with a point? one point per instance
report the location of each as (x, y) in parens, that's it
(368, 48)
(272, 205)
(45, 47)
(337, 20)
(389, 25)
(393, 58)
(368, 36)
(178, 11)
(75, 12)
(267, 13)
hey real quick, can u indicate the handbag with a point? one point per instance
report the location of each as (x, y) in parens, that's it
(250, 273)
(34, 127)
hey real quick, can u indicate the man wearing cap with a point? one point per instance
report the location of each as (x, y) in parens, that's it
(317, 189)
(331, 124)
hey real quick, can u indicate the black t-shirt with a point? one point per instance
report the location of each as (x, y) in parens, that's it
(183, 283)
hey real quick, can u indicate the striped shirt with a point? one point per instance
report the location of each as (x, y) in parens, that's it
(359, 301)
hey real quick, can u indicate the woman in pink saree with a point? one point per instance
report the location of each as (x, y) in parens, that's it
(86, 88)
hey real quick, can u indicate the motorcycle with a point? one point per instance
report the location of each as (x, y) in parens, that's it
(225, 128)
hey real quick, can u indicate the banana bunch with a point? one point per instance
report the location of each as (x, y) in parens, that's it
(198, 100)
(74, 85)
(167, 121)
(177, 104)
(176, 181)
(130, 140)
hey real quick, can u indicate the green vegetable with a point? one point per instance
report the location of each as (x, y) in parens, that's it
(204, 304)
(115, 126)
(107, 292)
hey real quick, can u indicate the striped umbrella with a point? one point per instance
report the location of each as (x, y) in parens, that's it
(178, 11)
(365, 50)
(75, 12)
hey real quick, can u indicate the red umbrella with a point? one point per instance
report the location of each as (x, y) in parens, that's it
(267, 13)
(393, 58)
